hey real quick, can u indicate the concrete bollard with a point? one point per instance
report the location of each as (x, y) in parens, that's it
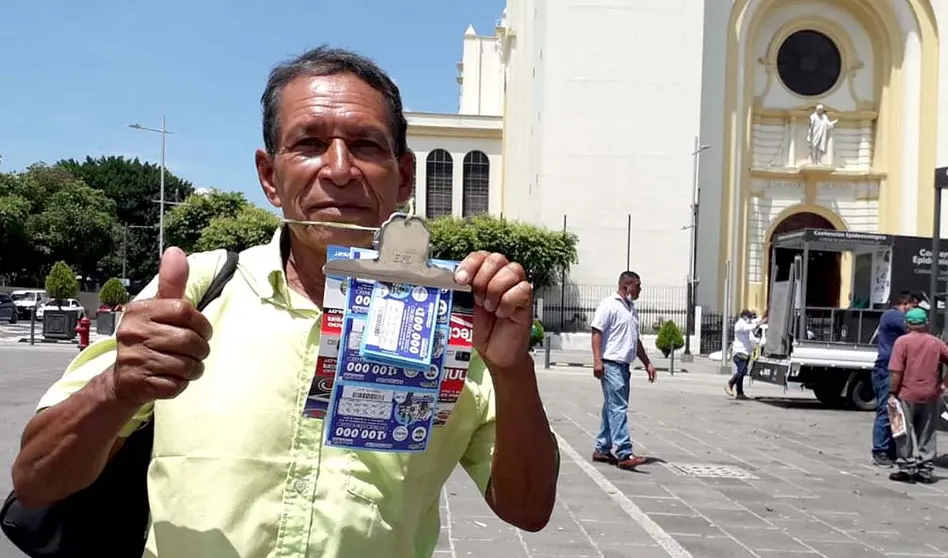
(546, 351)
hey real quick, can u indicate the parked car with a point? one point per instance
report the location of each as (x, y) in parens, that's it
(8, 311)
(65, 304)
(27, 299)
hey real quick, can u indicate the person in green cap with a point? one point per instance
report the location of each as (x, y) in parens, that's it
(916, 386)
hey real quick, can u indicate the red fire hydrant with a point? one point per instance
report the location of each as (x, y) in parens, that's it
(82, 328)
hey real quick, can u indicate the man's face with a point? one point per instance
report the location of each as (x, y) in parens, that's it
(632, 289)
(335, 160)
(906, 306)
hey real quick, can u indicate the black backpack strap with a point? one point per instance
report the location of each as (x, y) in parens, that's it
(220, 281)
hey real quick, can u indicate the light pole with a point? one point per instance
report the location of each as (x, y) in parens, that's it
(161, 193)
(125, 227)
(693, 249)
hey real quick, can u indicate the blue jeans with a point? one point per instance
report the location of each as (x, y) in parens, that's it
(882, 442)
(614, 428)
(737, 380)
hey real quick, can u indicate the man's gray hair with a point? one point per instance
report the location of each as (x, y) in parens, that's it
(326, 61)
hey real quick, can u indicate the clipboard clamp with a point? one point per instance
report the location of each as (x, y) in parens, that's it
(404, 246)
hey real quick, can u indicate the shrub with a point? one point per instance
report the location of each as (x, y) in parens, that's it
(669, 338)
(113, 293)
(61, 282)
(536, 333)
(544, 254)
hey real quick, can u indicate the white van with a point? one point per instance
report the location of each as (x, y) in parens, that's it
(27, 299)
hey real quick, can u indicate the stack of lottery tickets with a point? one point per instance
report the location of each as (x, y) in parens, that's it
(392, 360)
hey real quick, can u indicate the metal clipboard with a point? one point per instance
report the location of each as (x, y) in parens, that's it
(404, 248)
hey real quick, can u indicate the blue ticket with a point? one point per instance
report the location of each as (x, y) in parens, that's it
(401, 324)
(447, 295)
(360, 297)
(380, 419)
(354, 368)
(334, 252)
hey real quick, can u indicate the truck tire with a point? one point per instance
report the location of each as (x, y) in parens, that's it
(859, 393)
(829, 395)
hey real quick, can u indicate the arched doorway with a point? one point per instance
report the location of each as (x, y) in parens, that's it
(824, 275)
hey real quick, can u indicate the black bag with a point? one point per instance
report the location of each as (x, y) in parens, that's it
(110, 516)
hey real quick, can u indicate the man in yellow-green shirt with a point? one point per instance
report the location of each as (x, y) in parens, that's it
(238, 470)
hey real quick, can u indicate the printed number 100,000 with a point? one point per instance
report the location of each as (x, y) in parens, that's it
(365, 434)
(366, 368)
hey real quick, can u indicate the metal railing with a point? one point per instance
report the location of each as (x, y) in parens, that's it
(844, 326)
(572, 309)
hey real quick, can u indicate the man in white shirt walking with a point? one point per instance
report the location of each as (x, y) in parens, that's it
(615, 345)
(741, 349)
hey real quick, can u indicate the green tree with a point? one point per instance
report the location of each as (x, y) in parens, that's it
(15, 209)
(134, 187)
(61, 282)
(185, 223)
(252, 226)
(669, 338)
(543, 253)
(70, 221)
(47, 214)
(113, 293)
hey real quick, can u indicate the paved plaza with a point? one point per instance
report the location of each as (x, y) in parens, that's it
(778, 476)
(21, 332)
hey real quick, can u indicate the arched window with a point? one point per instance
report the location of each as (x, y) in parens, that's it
(476, 184)
(440, 169)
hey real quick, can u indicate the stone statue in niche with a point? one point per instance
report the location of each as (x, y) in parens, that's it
(818, 134)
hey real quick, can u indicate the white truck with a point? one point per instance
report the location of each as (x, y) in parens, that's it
(836, 352)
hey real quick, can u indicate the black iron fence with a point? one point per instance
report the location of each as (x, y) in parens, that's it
(572, 309)
(712, 333)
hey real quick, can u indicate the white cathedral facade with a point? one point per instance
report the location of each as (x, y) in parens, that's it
(589, 113)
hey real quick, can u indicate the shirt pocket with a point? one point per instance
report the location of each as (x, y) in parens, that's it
(361, 531)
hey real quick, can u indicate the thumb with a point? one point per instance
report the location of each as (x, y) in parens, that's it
(173, 274)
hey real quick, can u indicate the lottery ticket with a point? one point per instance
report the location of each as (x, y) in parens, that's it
(330, 333)
(378, 419)
(354, 368)
(447, 295)
(372, 403)
(401, 325)
(452, 384)
(457, 356)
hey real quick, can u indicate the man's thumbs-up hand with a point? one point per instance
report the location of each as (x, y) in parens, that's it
(162, 342)
(173, 274)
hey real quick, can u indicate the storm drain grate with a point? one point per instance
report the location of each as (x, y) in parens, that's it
(710, 471)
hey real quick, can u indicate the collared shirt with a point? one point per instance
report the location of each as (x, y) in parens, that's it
(891, 327)
(239, 471)
(743, 343)
(918, 355)
(618, 321)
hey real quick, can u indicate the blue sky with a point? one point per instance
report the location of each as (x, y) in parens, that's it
(75, 74)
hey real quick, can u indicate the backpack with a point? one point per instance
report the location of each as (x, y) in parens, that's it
(111, 516)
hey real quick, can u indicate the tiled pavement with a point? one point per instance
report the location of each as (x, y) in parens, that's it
(807, 488)
(20, 333)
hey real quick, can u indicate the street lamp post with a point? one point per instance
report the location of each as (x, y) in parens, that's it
(693, 249)
(125, 227)
(161, 193)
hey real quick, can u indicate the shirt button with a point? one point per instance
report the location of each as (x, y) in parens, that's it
(300, 485)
